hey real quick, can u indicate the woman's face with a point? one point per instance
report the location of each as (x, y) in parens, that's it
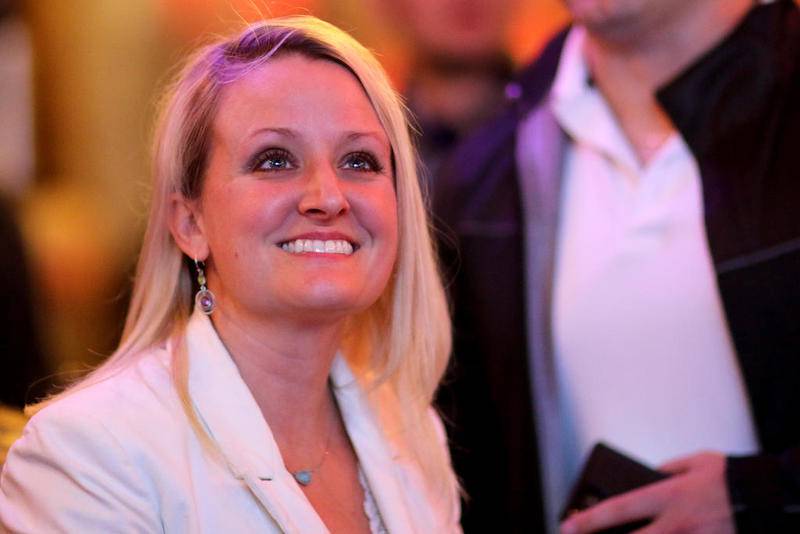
(298, 207)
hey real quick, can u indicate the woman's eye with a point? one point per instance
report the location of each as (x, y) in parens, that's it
(363, 162)
(274, 160)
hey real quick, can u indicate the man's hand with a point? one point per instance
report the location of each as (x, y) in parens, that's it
(693, 500)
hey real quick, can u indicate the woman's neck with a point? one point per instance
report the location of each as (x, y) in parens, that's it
(285, 365)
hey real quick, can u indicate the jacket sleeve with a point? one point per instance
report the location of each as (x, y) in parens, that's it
(71, 474)
(765, 492)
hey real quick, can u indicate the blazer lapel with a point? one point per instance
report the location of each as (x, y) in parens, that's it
(233, 420)
(378, 460)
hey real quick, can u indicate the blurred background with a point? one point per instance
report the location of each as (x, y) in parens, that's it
(79, 81)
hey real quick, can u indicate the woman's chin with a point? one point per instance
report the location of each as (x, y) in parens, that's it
(320, 296)
(325, 308)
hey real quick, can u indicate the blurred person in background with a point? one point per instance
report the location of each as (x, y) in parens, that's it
(21, 358)
(17, 159)
(21, 361)
(628, 255)
(287, 329)
(459, 66)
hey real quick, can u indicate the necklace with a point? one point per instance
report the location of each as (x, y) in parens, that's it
(304, 477)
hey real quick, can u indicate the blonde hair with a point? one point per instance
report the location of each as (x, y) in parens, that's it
(403, 340)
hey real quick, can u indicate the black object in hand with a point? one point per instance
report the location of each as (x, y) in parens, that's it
(606, 473)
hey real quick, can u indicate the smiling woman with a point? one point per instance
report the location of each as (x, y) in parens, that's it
(293, 160)
(296, 397)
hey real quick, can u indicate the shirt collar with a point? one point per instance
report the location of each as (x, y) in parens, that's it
(572, 76)
(580, 108)
(585, 116)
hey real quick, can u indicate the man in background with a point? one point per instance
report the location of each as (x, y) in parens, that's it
(459, 67)
(625, 251)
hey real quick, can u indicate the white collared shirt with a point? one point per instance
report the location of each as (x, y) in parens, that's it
(643, 356)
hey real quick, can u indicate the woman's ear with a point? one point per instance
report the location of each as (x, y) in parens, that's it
(185, 224)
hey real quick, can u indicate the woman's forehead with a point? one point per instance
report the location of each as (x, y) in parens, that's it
(295, 91)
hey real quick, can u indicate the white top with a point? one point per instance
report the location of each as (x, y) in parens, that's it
(120, 456)
(376, 525)
(643, 356)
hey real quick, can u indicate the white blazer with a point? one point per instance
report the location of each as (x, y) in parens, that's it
(120, 456)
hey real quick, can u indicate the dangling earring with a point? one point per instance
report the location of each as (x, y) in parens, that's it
(204, 298)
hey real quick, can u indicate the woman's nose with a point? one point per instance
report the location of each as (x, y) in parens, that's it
(323, 197)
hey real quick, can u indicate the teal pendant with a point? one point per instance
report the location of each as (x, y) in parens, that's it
(302, 477)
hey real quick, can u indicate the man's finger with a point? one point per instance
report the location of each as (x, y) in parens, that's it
(641, 503)
(680, 465)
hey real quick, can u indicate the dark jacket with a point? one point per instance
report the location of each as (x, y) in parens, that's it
(738, 109)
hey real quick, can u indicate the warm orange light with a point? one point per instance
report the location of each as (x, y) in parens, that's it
(533, 27)
(189, 19)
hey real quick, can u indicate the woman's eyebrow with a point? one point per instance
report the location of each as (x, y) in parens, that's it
(285, 132)
(355, 136)
(351, 136)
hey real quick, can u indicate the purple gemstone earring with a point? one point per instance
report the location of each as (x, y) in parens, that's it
(204, 298)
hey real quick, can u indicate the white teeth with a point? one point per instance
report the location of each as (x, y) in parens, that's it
(330, 246)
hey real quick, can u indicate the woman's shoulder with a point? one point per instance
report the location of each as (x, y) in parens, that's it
(143, 379)
(92, 450)
(120, 408)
